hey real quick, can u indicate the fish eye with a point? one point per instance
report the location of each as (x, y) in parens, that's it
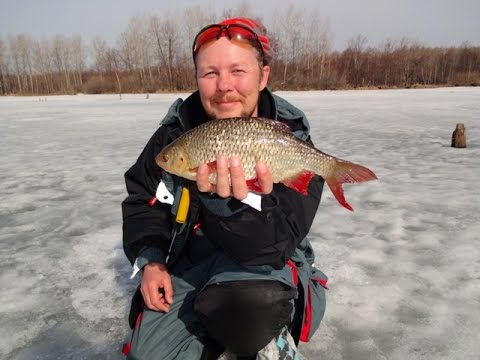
(165, 157)
(182, 159)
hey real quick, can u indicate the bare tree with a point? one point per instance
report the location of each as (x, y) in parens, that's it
(318, 45)
(15, 53)
(20, 49)
(78, 60)
(154, 52)
(99, 49)
(468, 63)
(355, 48)
(113, 60)
(386, 63)
(43, 66)
(166, 39)
(4, 70)
(135, 50)
(60, 52)
(289, 39)
(107, 63)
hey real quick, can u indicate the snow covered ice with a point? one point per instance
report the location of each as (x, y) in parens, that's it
(404, 267)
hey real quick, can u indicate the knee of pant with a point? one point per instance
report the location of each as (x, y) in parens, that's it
(245, 315)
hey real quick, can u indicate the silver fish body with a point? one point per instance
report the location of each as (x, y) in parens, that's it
(290, 160)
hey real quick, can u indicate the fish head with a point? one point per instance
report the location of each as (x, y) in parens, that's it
(175, 160)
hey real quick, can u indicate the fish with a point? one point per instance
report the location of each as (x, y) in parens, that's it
(291, 160)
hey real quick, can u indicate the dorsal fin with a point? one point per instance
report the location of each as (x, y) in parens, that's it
(278, 124)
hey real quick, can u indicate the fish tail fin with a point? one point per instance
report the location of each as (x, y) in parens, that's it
(347, 172)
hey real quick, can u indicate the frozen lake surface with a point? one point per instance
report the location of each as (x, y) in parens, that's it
(404, 267)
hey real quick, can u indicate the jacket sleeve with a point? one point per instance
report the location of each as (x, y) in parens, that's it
(146, 229)
(268, 237)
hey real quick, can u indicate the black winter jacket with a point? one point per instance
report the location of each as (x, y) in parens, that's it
(248, 236)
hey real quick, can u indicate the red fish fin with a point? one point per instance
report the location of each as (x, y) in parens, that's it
(253, 185)
(337, 190)
(347, 172)
(300, 182)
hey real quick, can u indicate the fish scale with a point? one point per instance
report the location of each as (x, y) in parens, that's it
(251, 140)
(291, 161)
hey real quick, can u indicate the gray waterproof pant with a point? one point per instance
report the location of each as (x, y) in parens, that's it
(180, 334)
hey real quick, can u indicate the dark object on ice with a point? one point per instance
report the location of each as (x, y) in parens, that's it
(459, 137)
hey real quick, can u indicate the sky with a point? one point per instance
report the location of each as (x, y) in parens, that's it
(431, 22)
(403, 268)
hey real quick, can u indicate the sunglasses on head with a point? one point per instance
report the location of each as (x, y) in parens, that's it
(236, 32)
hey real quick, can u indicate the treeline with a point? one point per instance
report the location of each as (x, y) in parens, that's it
(153, 54)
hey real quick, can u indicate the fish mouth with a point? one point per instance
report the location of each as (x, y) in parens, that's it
(159, 159)
(192, 175)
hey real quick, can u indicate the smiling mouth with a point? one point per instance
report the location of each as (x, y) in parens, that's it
(226, 107)
(227, 99)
